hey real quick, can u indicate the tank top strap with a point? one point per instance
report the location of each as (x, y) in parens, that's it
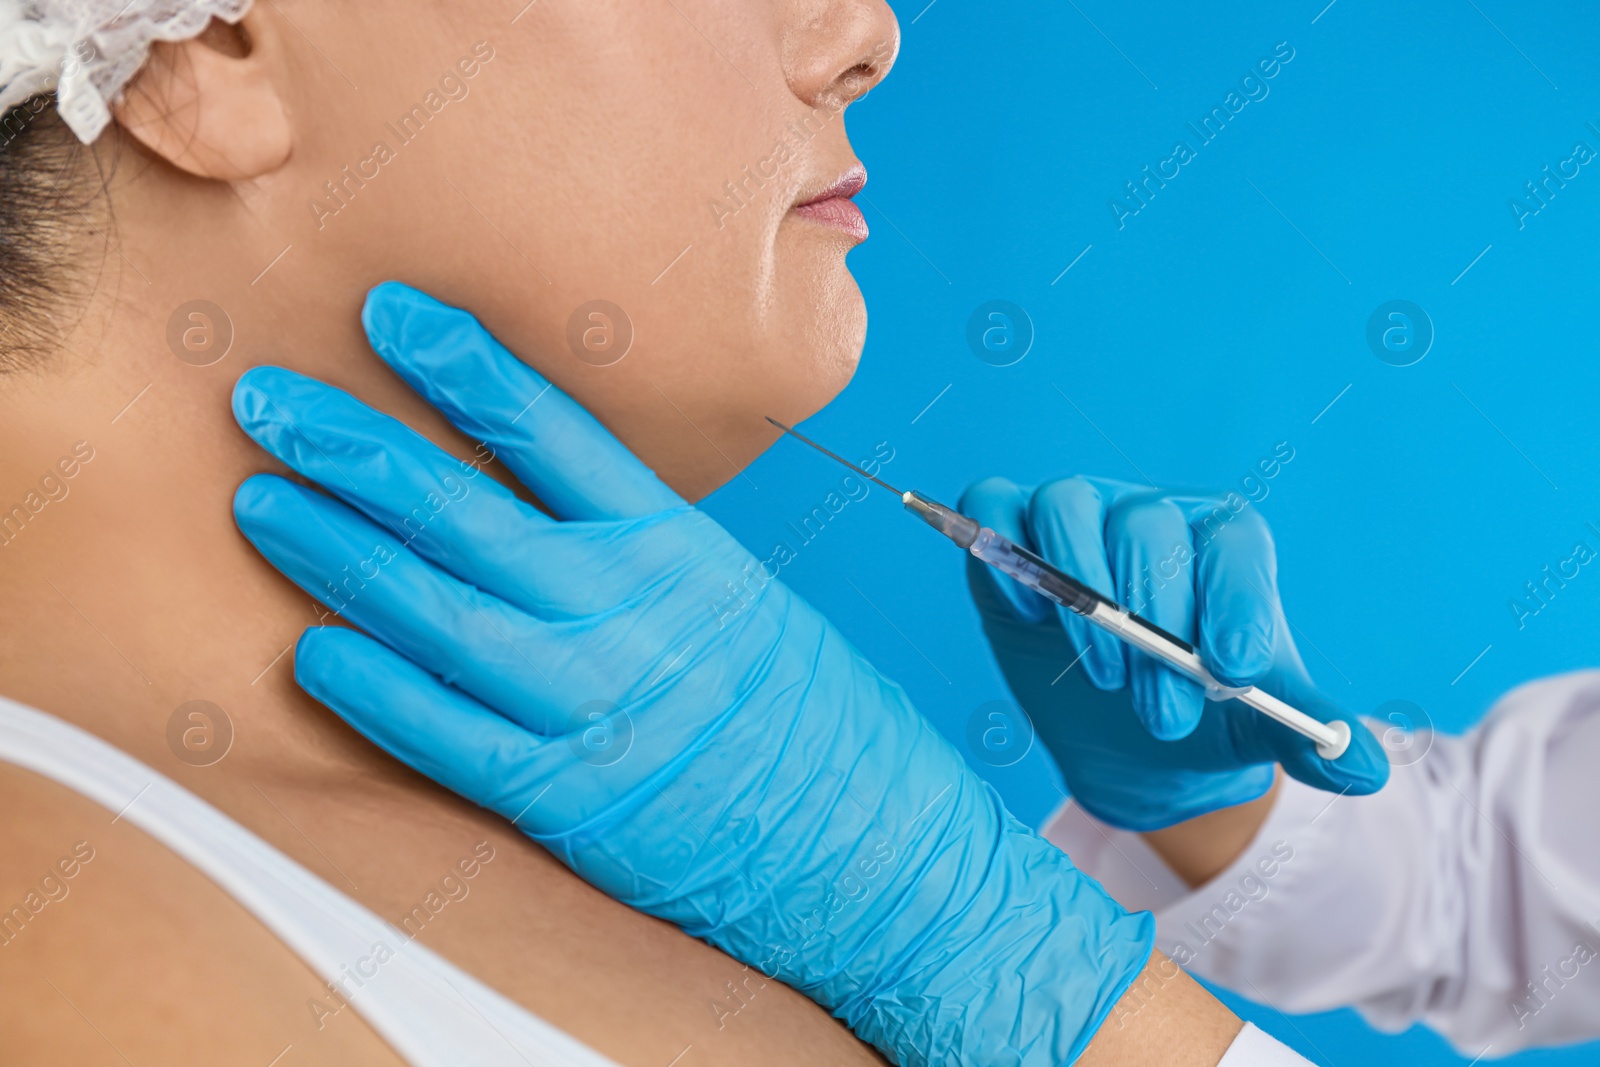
(432, 1013)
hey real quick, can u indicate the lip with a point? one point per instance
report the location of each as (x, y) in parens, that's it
(833, 206)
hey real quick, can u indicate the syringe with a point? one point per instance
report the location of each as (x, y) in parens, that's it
(1332, 738)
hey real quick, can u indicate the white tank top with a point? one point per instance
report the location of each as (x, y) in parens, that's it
(432, 1013)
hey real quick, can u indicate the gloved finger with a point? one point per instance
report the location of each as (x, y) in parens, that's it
(514, 663)
(1002, 505)
(554, 447)
(443, 508)
(1147, 541)
(1066, 525)
(1236, 572)
(425, 724)
(546, 785)
(474, 527)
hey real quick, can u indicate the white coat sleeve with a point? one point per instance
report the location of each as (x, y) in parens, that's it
(1464, 895)
(1254, 1048)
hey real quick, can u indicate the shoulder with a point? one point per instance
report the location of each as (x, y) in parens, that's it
(106, 936)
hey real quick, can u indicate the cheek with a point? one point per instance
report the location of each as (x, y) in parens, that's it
(618, 188)
(610, 135)
(584, 166)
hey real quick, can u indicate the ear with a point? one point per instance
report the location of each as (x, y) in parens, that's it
(208, 105)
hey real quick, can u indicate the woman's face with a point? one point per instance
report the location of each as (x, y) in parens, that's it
(529, 162)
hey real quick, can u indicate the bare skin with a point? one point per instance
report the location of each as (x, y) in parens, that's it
(1164, 1018)
(583, 158)
(1202, 848)
(139, 954)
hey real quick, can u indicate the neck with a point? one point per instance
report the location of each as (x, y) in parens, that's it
(129, 590)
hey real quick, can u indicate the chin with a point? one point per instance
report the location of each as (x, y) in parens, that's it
(820, 346)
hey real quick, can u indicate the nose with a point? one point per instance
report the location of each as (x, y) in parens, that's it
(834, 51)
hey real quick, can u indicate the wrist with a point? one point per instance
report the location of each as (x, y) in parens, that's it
(1034, 952)
(1164, 1017)
(1199, 849)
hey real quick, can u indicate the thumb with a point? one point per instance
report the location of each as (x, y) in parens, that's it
(1363, 768)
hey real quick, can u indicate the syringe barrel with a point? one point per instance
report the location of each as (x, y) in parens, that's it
(1010, 558)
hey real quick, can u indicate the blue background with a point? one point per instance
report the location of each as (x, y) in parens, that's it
(1222, 319)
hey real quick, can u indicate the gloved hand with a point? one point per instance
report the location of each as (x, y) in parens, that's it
(1138, 744)
(746, 774)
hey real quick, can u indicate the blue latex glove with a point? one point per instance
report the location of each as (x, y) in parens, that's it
(1212, 582)
(745, 775)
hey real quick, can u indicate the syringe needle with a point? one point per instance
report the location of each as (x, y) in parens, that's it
(792, 432)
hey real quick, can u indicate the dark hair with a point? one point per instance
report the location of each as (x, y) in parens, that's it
(43, 207)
